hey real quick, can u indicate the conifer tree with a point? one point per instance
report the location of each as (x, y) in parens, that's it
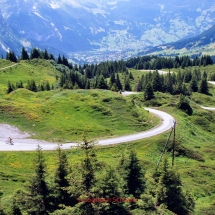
(194, 84)
(169, 83)
(48, 86)
(35, 53)
(134, 177)
(24, 54)
(204, 86)
(101, 83)
(51, 56)
(10, 87)
(59, 60)
(112, 80)
(37, 198)
(11, 56)
(131, 76)
(110, 190)
(87, 86)
(169, 191)
(178, 88)
(89, 166)
(148, 93)
(118, 83)
(156, 82)
(138, 87)
(60, 194)
(45, 55)
(31, 86)
(127, 85)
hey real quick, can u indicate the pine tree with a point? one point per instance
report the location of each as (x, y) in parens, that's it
(24, 54)
(46, 55)
(131, 76)
(204, 86)
(156, 82)
(89, 166)
(101, 83)
(60, 194)
(184, 104)
(47, 86)
(31, 86)
(10, 87)
(148, 93)
(194, 84)
(11, 56)
(59, 60)
(118, 83)
(37, 199)
(127, 85)
(134, 176)
(35, 53)
(110, 190)
(87, 86)
(51, 56)
(169, 83)
(178, 89)
(169, 191)
(112, 80)
(139, 86)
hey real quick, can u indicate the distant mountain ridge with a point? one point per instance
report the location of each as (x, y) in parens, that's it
(90, 26)
(202, 42)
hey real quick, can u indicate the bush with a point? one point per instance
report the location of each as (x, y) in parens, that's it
(184, 104)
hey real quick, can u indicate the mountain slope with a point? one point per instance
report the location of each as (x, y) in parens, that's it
(201, 43)
(101, 26)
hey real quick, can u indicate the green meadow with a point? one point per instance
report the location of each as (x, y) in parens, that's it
(63, 115)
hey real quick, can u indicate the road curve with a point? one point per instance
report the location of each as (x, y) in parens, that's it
(24, 144)
(208, 108)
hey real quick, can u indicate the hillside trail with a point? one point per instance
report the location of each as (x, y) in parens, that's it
(8, 67)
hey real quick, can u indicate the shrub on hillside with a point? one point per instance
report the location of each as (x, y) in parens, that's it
(184, 104)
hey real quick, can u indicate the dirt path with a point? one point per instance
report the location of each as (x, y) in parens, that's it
(8, 67)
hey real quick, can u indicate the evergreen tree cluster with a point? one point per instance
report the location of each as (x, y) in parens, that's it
(36, 53)
(31, 85)
(184, 83)
(11, 56)
(93, 187)
(155, 62)
(95, 76)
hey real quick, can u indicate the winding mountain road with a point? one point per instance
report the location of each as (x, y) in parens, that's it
(22, 143)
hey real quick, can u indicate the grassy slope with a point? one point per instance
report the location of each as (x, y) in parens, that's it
(36, 69)
(195, 133)
(66, 114)
(197, 176)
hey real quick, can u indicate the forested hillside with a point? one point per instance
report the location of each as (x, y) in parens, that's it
(58, 101)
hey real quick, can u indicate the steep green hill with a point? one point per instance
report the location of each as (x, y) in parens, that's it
(65, 114)
(37, 69)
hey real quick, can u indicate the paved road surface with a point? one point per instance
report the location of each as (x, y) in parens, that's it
(22, 143)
